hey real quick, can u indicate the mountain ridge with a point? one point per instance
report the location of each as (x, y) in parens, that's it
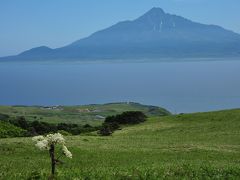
(155, 34)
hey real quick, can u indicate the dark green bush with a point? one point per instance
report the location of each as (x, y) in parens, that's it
(129, 117)
(4, 117)
(39, 128)
(113, 123)
(105, 131)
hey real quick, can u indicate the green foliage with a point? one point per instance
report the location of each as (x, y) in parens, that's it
(4, 117)
(64, 133)
(8, 130)
(129, 117)
(105, 130)
(112, 123)
(187, 146)
(88, 114)
(34, 128)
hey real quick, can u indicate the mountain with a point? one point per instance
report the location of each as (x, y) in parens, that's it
(156, 34)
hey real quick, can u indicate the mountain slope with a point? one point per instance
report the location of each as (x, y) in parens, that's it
(155, 34)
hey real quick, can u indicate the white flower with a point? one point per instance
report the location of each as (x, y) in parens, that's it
(43, 144)
(56, 138)
(66, 152)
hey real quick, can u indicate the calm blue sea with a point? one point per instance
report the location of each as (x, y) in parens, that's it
(177, 86)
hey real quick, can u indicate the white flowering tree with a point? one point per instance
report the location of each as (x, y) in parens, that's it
(49, 143)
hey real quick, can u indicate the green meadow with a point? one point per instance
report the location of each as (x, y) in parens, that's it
(85, 114)
(186, 146)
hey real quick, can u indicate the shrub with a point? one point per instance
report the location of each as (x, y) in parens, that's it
(129, 117)
(20, 121)
(40, 128)
(4, 117)
(9, 130)
(105, 131)
(112, 123)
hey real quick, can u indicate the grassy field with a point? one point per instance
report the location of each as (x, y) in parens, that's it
(86, 114)
(188, 146)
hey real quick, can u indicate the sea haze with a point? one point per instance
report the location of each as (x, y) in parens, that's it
(177, 86)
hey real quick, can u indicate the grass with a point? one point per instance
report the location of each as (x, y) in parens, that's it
(188, 146)
(87, 114)
(9, 130)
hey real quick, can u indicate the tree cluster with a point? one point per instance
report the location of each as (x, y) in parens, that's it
(34, 128)
(113, 123)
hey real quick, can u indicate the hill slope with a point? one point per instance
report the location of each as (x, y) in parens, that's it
(156, 34)
(190, 146)
(87, 114)
(9, 130)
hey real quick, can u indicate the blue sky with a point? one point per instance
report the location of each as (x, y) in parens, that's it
(30, 23)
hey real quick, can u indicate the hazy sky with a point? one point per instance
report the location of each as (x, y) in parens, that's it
(30, 23)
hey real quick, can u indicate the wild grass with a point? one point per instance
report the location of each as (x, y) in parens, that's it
(189, 146)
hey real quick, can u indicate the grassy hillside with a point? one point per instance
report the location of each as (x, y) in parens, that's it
(9, 130)
(190, 146)
(91, 114)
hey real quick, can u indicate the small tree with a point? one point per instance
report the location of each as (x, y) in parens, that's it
(49, 143)
(128, 117)
(105, 131)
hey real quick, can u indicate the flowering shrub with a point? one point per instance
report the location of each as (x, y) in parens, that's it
(48, 143)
